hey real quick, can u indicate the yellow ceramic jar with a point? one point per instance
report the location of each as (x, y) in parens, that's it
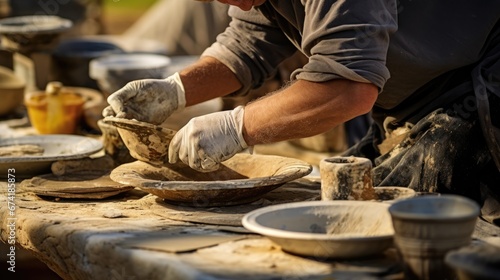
(55, 112)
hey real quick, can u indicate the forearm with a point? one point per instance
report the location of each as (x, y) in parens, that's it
(305, 109)
(206, 79)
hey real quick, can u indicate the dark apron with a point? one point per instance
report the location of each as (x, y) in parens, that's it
(454, 148)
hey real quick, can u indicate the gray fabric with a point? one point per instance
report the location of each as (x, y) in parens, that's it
(432, 55)
(439, 54)
(340, 38)
(486, 82)
(358, 40)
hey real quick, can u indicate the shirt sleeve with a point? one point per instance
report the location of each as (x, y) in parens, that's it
(252, 47)
(343, 39)
(347, 40)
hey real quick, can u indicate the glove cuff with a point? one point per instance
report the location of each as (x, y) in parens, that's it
(181, 93)
(238, 114)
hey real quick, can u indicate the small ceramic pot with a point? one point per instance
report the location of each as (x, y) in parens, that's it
(427, 227)
(39, 112)
(346, 178)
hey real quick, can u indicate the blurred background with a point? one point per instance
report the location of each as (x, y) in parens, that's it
(106, 45)
(117, 16)
(90, 18)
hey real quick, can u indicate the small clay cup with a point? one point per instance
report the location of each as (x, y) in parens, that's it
(427, 227)
(346, 178)
(38, 111)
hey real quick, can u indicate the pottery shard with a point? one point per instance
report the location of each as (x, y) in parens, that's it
(63, 167)
(21, 150)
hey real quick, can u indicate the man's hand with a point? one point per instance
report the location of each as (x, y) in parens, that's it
(208, 140)
(149, 100)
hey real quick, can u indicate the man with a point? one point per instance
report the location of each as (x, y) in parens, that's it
(442, 57)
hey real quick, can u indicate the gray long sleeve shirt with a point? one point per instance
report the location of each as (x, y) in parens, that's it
(407, 48)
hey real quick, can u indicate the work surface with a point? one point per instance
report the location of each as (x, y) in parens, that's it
(136, 236)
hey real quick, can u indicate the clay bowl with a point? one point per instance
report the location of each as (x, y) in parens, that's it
(91, 96)
(476, 261)
(389, 194)
(75, 101)
(112, 72)
(146, 142)
(33, 29)
(71, 59)
(242, 179)
(113, 143)
(92, 114)
(435, 217)
(11, 91)
(339, 229)
(427, 227)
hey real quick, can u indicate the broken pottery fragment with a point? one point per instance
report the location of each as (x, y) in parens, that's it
(81, 185)
(65, 167)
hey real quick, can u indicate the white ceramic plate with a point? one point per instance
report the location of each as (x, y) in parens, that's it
(55, 147)
(343, 229)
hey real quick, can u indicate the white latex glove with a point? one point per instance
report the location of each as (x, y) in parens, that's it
(148, 100)
(208, 140)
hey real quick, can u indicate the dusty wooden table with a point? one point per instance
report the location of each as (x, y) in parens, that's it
(136, 236)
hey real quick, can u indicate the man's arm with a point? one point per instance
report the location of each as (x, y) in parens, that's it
(302, 109)
(206, 79)
(305, 109)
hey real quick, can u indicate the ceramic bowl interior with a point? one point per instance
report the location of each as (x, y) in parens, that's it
(146, 142)
(325, 229)
(241, 179)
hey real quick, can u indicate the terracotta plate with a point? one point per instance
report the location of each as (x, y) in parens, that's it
(242, 179)
(83, 185)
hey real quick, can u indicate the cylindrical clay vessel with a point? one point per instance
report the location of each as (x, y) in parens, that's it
(346, 178)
